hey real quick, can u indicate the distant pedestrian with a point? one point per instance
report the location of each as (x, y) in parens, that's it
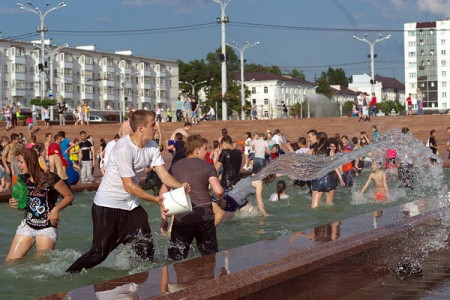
(419, 98)
(409, 105)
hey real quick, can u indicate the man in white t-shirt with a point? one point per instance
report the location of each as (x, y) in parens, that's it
(117, 217)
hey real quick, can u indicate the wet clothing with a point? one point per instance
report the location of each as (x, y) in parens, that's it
(324, 184)
(117, 217)
(231, 160)
(237, 197)
(112, 227)
(40, 202)
(199, 223)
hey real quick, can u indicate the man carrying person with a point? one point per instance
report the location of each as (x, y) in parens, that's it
(117, 216)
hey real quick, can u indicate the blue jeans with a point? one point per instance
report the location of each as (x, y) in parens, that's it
(258, 164)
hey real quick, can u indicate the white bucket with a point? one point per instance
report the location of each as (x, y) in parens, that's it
(177, 202)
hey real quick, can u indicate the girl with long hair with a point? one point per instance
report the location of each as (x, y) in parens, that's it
(41, 211)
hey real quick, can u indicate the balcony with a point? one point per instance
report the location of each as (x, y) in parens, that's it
(87, 96)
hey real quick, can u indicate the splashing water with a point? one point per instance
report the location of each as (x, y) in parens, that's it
(409, 151)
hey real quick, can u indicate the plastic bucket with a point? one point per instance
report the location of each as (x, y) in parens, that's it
(177, 202)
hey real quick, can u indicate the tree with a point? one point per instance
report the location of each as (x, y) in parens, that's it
(337, 77)
(297, 74)
(323, 87)
(347, 108)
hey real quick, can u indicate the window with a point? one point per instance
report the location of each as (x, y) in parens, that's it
(432, 52)
(412, 75)
(253, 90)
(68, 72)
(266, 101)
(443, 63)
(443, 52)
(411, 33)
(68, 87)
(444, 94)
(88, 89)
(443, 42)
(444, 73)
(20, 84)
(266, 90)
(88, 74)
(444, 84)
(20, 68)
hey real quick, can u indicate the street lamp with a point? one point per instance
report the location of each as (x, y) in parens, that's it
(41, 29)
(193, 85)
(241, 54)
(52, 54)
(223, 20)
(372, 53)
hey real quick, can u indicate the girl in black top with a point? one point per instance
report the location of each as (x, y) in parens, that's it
(41, 210)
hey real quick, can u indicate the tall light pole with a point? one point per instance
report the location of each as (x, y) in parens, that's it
(223, 20)
(372, 53)
(52, 54)
(42, 30)
(193, 85)
(241, 54)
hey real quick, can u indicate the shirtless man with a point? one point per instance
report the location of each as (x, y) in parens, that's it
(379, 179)
(125, 127)
(183, 130)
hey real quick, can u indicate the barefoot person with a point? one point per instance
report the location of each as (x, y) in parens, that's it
(378, 177)
(41, 210)
(117, 216)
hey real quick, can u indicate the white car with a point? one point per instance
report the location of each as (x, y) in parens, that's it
(95, 118)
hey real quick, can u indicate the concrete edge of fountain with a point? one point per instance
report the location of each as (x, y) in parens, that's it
(263, 264)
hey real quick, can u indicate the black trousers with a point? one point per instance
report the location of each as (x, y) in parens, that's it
(112, 227)
(183, 234)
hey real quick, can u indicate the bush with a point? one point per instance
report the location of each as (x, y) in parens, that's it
(43, 102)
(387, 106)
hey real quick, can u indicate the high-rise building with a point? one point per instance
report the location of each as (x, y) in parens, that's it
(427, 52)
(108, 81)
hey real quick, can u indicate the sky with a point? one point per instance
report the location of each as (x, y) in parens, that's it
(308, 35)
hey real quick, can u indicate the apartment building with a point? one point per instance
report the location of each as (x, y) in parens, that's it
(427, 53)
(107, 81)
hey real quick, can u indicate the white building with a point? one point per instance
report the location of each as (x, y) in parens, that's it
(270, 90)
(107, 81)
(385, 88)
(427, 49)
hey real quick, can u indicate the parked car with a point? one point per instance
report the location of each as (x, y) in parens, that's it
(95, 118)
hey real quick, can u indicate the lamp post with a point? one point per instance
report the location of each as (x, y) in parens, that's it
(372, 53)
(241, 55)
(41, 29)
(193, 85)
(223, 20)
(52, 54)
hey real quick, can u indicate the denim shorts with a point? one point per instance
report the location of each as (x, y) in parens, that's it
(324, 184)
(26, 230)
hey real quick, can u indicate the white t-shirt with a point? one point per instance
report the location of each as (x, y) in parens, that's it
(126, 160)
(276, 139)
(302, 150)
(107, 151)
(274, 197)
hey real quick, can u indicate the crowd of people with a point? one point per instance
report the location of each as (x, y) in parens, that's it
(211, 172)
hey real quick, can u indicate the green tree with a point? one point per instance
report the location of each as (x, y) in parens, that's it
(347, 108)
(337, 77)
(297, 74)
(323, 86)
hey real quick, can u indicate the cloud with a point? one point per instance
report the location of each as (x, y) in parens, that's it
(104, 20)
(9, 11)
(438, 7)
(181, 6)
